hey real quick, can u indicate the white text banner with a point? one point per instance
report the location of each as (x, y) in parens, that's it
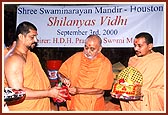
(69, 25)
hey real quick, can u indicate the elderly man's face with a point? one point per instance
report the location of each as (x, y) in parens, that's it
(91, 48)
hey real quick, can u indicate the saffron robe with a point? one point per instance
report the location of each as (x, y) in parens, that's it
(152, 68)
(36, 79)
(85, 73)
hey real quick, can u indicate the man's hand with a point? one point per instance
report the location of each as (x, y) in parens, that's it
(63, 79)
(73, 90)
(58, 93)
(66, 82)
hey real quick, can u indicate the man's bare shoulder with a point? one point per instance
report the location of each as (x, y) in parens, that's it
(14, 59)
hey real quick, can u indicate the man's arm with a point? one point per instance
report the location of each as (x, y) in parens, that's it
(88, 91)
(14, 70)
(15, 79)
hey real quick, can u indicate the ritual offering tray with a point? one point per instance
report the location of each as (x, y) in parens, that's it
(128, 85)
(126, 97)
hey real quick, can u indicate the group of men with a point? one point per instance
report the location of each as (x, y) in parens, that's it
(87, 74)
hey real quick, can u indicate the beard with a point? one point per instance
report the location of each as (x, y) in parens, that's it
(89, 56)
(139, 54)
(32, 46)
